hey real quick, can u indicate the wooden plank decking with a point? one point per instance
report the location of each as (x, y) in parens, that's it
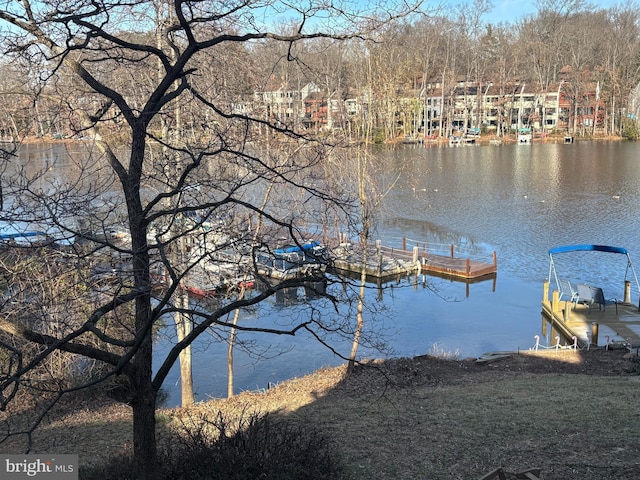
(460, 267)
(457, 267)
(619, 325)
(384, 261)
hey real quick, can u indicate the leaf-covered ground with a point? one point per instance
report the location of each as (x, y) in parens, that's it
(574, 415)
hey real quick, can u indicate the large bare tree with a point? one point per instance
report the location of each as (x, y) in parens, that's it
(165, 195)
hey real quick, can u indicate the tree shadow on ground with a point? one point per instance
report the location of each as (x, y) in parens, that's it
(573, 414)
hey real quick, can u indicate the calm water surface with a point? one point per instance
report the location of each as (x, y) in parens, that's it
(516, 200)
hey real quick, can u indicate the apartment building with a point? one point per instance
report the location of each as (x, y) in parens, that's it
(487, 106)
(503, 108)
(282, 102)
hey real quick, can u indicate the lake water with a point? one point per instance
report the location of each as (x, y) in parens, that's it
(516, 200)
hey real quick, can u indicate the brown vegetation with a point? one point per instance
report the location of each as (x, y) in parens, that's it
(572, 414)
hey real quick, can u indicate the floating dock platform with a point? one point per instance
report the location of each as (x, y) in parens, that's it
(613, 324)
(386, 262)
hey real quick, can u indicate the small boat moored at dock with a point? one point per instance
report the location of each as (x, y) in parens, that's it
(525, 136)
(580, 311)
(209, 280)
(293, 261)
(457, 140)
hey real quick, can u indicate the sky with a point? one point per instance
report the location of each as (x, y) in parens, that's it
(512, 10)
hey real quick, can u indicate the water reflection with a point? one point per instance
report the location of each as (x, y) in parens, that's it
(300, 295)
(518, 201)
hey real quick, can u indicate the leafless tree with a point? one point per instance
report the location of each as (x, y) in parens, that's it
(621, 43)
(121, 90)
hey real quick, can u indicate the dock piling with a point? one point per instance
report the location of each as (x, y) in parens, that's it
(594, 333)
(555, 301)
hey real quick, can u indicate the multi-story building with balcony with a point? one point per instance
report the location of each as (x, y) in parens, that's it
(504, 108)
(438, 110)
(284, 103)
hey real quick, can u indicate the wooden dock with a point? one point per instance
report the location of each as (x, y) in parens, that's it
(615, 324)
(384, 261)
(458, 267)
(380, 265)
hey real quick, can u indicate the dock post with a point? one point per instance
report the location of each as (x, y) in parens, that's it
(495, 260)
(452, 250)
(545, 292)
(555, 301)
(627, 291)
(594, 333)
(468, 267)
(415, 254)
(404, 243)
(567, 310)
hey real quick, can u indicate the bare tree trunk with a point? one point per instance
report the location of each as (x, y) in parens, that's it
(144, 414)
(232, 339)
(364, 215)
(141, 373)
(183, 328)
(361, 166)
(613, 115)
(38, 130)
(359, 317)
(232, 334)
(182, 320)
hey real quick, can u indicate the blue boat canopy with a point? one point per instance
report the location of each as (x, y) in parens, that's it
(588, 248)
(298, 249)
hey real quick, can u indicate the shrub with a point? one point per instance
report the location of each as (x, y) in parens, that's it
(257, 446)
(629, 129)
(634, 369)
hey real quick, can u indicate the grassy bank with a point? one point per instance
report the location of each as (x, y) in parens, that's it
(574, 415)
